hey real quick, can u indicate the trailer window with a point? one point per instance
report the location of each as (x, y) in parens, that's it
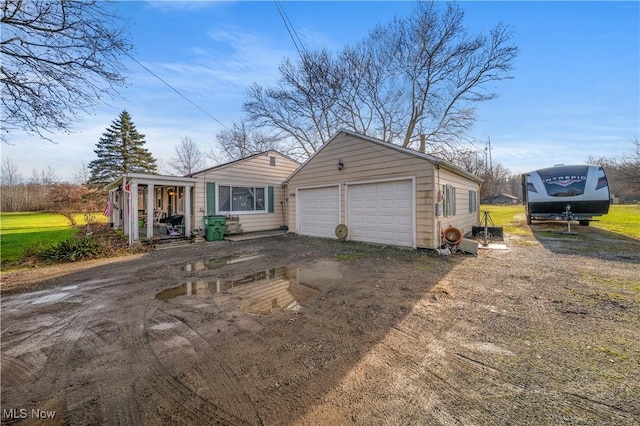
(566, 181)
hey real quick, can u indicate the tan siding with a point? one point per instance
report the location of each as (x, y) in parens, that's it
(365, 161)
(254, 171)
(462, 220)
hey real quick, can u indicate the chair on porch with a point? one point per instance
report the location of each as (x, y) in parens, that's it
(172, 231)
(157, 215)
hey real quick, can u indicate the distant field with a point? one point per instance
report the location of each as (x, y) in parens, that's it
(21, 230)
(621, 219)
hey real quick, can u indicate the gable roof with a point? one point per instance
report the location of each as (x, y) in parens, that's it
(430, 158)
(230, 163)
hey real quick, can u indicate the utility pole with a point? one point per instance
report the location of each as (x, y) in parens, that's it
(490, 156)
(488, 162)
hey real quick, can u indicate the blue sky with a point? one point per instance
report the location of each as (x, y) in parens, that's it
(575, 93)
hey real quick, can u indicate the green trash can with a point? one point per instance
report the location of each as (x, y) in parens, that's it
(214, 227)
(218, 221)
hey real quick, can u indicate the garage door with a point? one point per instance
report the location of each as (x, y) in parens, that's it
(318, 211)
(382, 212)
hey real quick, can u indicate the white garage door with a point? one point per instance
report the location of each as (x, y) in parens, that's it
(318, 211)
(382, 212)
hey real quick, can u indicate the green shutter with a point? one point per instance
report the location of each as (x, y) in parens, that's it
(211, 198)
(453, 201)
(271, 200)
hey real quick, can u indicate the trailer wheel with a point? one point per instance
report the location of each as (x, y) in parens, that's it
(528, 219)
(584, 223)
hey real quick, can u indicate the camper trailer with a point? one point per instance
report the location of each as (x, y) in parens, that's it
(578, 192)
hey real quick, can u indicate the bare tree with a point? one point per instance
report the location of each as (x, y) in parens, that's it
(629, 167)
(10, 173)
(242, 141)
(623, 172)
(66, 198)
(495, 181)
(413, 76)
(188, 157)
(45, 177)
(82, 175)
(300, 107)
(468, 158)
(444, 71)
(59, 58)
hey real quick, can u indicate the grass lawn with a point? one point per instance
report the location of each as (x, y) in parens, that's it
(621, 219)
(21, 230)
(511, 218)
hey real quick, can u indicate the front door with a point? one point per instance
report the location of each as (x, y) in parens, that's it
(170, 195)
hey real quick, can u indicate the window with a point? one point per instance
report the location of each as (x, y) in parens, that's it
(449, 202)
(473, 201)
(241, 199)
(272, 161)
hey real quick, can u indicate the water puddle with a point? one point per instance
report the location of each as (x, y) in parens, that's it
(53, 297)
(163, 326)
(218, 263)
(49, 298)
(262, 292)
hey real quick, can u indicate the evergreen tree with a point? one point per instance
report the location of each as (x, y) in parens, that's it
(120, 150)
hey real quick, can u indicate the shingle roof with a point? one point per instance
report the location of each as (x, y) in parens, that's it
(432, 159)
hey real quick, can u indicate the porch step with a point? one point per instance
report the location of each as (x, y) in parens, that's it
(166, 243)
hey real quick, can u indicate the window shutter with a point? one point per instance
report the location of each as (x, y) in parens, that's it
(453, 201)
(271, 200)
(211, 198)
(473, 201)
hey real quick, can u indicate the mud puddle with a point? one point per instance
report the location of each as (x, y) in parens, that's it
(262, 292)
(218, 263)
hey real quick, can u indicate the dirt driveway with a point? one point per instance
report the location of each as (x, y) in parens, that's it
(293, 330)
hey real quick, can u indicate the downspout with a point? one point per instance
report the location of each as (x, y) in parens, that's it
(438, 199)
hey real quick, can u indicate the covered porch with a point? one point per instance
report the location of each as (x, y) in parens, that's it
(146, 206)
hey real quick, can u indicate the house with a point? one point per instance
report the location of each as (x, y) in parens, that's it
(249, 190)
(382, 192)
(503, 199)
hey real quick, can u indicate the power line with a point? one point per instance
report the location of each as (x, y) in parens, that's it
(175, 90)
(292, 32)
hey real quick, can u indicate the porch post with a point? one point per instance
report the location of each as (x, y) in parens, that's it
(126, 209)
(187, 211)
(150, 210)
(134, 212)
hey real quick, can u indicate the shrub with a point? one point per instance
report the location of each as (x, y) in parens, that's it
(72, 250)
(33, 250)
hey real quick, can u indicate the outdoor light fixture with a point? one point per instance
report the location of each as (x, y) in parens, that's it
(340, 164)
